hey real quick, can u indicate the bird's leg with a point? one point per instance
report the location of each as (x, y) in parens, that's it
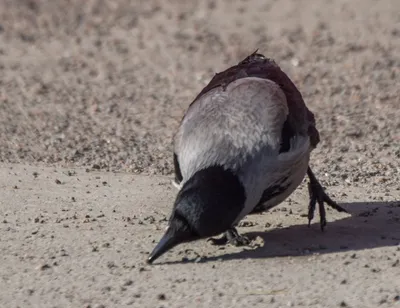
(317, 194)
(230, 237)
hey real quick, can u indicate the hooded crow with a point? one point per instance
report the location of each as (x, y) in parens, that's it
(243, 146)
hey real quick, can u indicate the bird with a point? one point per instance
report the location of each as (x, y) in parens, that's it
(242, 147)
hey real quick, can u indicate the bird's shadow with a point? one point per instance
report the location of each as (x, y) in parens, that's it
(371, 225)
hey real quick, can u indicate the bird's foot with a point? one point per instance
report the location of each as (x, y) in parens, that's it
(317, 194)
(230, 237)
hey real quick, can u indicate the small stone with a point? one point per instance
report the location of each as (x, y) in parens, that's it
(43, 267)
(58, 182)
(246, 224)
(295, 62)
(150, 219)
(161, 297)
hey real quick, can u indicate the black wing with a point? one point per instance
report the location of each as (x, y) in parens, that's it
(270, 193)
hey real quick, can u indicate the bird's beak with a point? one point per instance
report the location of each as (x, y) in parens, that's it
(166, 243)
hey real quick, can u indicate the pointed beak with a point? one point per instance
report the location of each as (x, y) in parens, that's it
(166, 243)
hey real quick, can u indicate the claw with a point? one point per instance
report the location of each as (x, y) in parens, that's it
(317, 194)
(239, 241)
(311, 207)
(322, 214)
(230, 237)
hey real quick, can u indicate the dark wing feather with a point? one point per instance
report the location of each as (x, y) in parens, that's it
(287, 134)
(177, 170)
(270, 193)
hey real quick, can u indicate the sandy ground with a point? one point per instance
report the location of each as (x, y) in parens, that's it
(91, 93)
(72, 238)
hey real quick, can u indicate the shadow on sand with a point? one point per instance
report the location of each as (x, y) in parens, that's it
(371, 225)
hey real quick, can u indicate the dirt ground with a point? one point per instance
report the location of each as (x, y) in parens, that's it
(91, 93)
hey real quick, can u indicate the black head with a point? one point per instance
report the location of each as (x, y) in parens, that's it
(207, 205)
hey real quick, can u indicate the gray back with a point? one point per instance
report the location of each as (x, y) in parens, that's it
(231, 126)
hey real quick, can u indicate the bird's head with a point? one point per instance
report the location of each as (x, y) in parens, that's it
(207, 205)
